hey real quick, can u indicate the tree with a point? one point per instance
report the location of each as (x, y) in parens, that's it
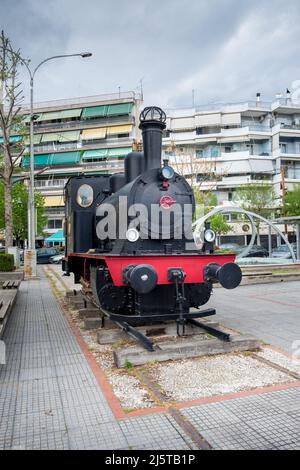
(258, 198)
(20, 211)
(219, 225)
(11, 149)
(292, 202)
(190, 167)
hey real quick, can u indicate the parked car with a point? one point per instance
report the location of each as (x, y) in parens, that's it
(57, 259)
(283, 251)
(43, 255)
(233, 247)
(257, 251)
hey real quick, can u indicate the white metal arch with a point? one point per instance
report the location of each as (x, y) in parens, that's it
(198, 224)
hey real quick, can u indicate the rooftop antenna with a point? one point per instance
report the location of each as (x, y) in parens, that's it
(141, 88)
(119, 88)
(193, 98)
(257, 99)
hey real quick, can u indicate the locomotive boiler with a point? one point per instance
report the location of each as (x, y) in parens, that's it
(129, 239)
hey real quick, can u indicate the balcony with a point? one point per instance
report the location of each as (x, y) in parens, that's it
(104, 165)
(293, 174)
(82, 124)
(80, 145)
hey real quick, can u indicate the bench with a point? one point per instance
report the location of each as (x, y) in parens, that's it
(11, 284)
(4, 307)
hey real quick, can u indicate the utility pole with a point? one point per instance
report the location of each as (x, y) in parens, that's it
(30, 254)
(283, 194)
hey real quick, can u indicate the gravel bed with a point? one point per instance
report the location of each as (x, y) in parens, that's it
(214, 375)
(129, 391)
(280, 359)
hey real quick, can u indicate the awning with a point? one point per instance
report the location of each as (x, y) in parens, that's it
(119, 109)
(94, 111)
(91, 134)
(12, 139)
(56, 237)
(68, 136)
(64, 158)
(39, 160)
(119, 129)
(119, 152)
(54, 201)
(46, 159)
(70, 113)
(51, 137)
(51, 116)
(36, 139)
(95, 154)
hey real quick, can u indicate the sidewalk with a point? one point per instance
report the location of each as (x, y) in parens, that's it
(50, 398)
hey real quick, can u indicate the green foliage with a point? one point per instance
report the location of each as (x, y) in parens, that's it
(292, 202)
(219, 225)
(205, 201)
(20, 210)
(256, 197)
(6, 262)
(128, 364)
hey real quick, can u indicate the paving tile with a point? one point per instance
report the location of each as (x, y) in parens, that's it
(238, 436)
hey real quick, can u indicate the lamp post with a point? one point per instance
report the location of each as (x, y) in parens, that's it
(31, 272)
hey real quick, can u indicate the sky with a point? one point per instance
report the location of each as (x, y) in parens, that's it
(224, 50)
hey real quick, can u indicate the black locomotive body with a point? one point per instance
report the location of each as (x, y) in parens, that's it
(129, 236)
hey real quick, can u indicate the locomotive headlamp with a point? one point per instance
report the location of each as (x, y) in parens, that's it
(132, 235)
(209, 235)
(85, 195)
(167, 172)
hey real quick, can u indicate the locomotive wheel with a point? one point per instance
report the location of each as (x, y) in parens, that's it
(199, 294)
(113, 299)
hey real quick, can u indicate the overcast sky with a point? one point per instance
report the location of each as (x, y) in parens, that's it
(227, 50)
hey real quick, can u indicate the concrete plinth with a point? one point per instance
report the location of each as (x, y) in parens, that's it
(183, 349)
(110, 336)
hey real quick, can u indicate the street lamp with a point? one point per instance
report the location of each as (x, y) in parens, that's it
(31, 208)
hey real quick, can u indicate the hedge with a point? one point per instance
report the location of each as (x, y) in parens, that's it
(6, 262)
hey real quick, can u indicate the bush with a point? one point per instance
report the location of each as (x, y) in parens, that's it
(6, 262)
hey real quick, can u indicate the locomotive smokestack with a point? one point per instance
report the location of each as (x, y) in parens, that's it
(152, 124)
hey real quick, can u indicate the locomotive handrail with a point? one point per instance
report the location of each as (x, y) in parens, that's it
(198, 224)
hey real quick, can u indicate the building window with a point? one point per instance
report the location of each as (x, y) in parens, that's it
(283, 148)
(230, 196)
(199, 153)
(54, 223)
(227, 149)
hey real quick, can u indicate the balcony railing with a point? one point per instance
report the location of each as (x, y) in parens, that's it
(80, 145)
(103, 165)
(289, 126)
(86, 100)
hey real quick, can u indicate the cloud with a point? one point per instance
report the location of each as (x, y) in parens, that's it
(225, 50)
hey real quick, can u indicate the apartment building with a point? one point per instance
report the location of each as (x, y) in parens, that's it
(228, 145)
(81, 136)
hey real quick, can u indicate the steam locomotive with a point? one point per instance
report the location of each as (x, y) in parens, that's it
(129, 239)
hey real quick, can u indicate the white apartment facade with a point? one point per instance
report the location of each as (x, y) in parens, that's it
(237, 143)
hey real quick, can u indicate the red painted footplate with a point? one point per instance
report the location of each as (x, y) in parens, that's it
(192, 265)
